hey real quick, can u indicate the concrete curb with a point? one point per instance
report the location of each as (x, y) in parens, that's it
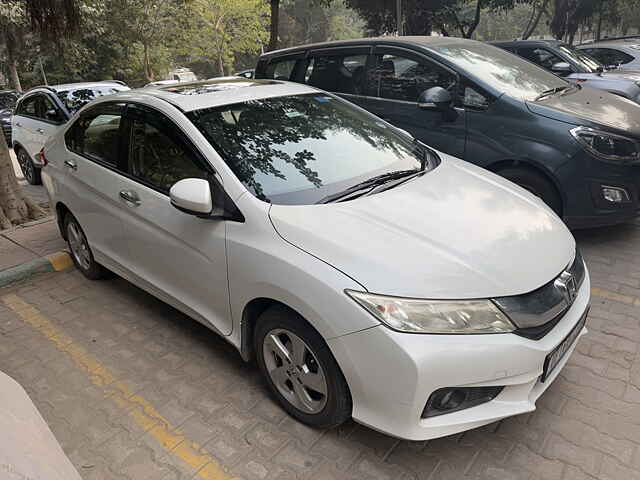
(53, 262)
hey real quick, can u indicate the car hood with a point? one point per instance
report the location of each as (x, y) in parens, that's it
(458, 232)
(591, 107)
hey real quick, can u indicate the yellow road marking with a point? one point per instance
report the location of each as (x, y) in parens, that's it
(60, 261)
(616, 297)
(137, 407)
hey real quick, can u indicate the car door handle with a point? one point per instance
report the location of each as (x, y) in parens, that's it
(40, 131)
(18, 124)
(70, 164)
(130, 197)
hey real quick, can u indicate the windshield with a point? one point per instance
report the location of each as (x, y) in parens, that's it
(74, 100)
(590, 64)
(504, 71)
(300, 149)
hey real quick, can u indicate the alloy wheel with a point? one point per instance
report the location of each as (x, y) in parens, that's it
(26, 166)
(78, 245)
(295, 371)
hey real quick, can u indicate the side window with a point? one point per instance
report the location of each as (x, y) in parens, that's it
(474, 99)
(540, 56)
(609, 56)
(49, 111)
(336, 73)
(96, 134)
(157, 154)
(402, 78)
(280, 70)
(27, 106)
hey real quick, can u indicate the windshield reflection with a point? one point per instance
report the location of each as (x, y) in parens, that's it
(590, 64)
(504, 71)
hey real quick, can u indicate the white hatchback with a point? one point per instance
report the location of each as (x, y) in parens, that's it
(371, 276)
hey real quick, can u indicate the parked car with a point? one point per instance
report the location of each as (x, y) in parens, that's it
(41, 112)
(246, 73)
(575, 147)
(329, 245)
(576, 66)
(620, 55)
(8, 99)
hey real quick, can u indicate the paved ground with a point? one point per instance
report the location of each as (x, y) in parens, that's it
(135, 390)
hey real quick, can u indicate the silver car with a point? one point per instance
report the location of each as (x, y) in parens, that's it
(623, 55)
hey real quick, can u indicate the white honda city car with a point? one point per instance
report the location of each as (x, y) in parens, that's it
(370, 276)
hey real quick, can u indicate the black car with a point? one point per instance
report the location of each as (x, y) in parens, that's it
(8, 99)
(575, 147)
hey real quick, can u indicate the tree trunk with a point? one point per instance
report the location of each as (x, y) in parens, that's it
(147, 65)
(15, 206)
(275, 14)
(476, 20)
(12, 62)
(533, 23)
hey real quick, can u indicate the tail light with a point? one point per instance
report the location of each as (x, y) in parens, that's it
(42, 158)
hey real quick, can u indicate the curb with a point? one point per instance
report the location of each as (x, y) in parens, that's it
(53, 262)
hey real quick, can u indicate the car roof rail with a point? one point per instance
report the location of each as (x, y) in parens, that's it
(120, 82)
(46, 87)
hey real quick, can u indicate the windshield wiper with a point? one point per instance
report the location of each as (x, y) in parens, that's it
(551, 91)
(370, 183)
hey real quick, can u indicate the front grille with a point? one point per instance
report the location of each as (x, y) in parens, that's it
(537, 312)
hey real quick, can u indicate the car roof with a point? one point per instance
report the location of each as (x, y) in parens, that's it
(622, 45)
(419, 40)
(514, 43)
(75, 86)
(189, 96)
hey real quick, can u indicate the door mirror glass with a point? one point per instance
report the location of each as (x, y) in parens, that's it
(436, 98)
(561, 68)
(192, 196)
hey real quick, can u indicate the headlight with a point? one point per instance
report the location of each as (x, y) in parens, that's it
(434, 316)
(608, 146)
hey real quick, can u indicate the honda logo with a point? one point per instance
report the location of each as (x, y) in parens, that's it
(566, 283)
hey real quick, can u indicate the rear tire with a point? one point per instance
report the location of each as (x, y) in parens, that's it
(536, 184)
(29, 170)
(80, 251)
(300, 369)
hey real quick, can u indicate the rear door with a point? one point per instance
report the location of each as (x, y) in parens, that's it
(393, 83)
(24, 122)
(49, 119)
(94, 166)
(179, 257)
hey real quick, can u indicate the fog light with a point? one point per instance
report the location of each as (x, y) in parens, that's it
(454, 399)
(615, 194)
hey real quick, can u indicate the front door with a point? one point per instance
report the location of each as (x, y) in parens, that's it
(177, 256)
(393, 83)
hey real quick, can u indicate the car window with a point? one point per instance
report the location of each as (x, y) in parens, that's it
(298, 149)
(401, 78)
(28, 106)
(608, 56)
(336, 73)
(492, 67)
(280, 70)
(156, 154)
(47, 110)
(474, 99)
(75, 99)
(540, 56)
(96, 134)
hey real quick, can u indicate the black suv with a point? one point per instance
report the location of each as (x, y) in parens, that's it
(575, 147)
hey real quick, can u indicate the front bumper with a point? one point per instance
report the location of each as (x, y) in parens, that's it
(391, 375)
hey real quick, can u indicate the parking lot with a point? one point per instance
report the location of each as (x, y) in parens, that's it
(135, 390)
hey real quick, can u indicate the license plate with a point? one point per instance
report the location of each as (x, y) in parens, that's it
(552, 360)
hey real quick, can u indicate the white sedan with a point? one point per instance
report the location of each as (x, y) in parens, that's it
(371, 276)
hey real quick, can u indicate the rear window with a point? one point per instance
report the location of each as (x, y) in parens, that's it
(77, 98)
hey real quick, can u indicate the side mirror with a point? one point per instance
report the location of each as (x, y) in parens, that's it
(561, 68)
(436, 98)
(192, 196)
(52, 115)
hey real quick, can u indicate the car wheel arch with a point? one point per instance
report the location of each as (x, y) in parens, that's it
(496, 167)
(61, 212)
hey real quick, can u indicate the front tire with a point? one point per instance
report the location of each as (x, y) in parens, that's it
(300, 369)
(536, 184)
(80, 251)
(29, 170)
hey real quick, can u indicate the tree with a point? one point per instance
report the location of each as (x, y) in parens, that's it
(380, 15)
(47, 18)
(463, 16)
(538, 7)
(218, 30)
(275, 19)
(13, 24)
